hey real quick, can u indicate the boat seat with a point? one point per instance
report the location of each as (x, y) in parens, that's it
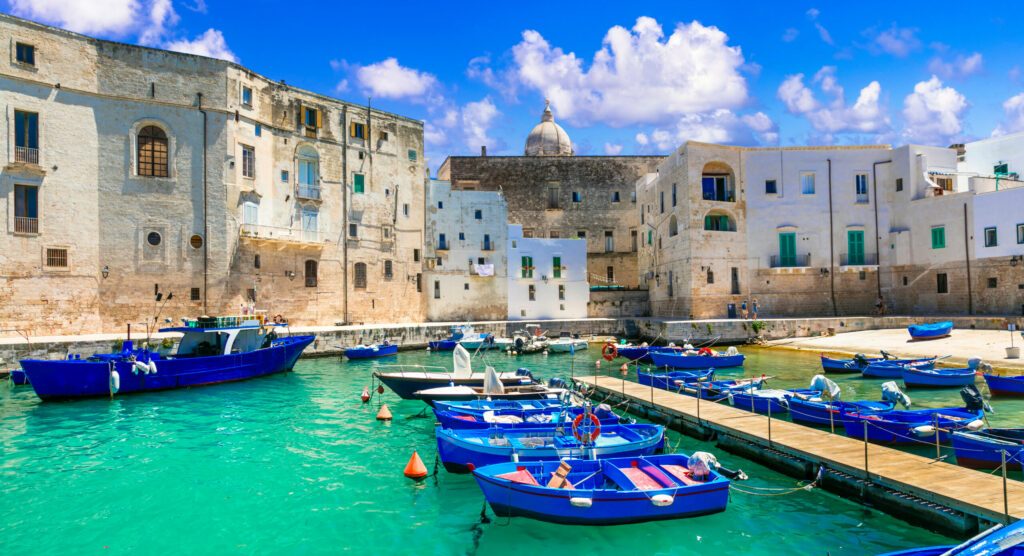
(681, 473)
(521, 476)
(640, 479)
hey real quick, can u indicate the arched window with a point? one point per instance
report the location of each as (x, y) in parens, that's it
(360, 276)
(673, 226)
(152, 152)
(311, 273)
(718, 221)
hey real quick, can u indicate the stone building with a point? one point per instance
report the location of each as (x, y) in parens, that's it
(553, 193)
(547, 278)
(132, 171)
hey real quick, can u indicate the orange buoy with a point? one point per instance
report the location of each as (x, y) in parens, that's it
(597, 363)
(380, 389)
(415, 469)
(366, 394)
(384, 414)
(624, 369)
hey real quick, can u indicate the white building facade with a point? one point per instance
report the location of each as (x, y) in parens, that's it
(547, 278)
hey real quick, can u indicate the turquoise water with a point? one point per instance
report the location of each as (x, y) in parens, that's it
(296, 464)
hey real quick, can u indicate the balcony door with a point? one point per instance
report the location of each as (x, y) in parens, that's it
(855, 247)
(787, 249)
(310, 224)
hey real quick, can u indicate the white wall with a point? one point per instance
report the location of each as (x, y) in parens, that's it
(546, 303)
(1003, 210)
(980, 157)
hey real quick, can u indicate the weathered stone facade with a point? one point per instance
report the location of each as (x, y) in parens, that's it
(256, 204)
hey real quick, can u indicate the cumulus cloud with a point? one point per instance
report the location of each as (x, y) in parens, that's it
(161, 15)
(833, 115)
(477, 118)
(933, 113)
(790, 35)
(718, 126)
(503, 81)
(210, 44)
(823, 33)
(897, 41)
(611, 149)
(638, 76)
(1013, 119)
(460, 129)
(389, 79)
(958, 67)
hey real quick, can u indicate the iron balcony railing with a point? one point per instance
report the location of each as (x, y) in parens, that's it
(311, 192)
(858, 259)
(793, 261)
(26, 225)
(26, 154)
(277, 233)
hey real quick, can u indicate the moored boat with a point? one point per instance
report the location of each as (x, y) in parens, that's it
(1004, 385)
(937, 378)
(566, 344)
(406, 380)
(456, 333)
(705, 358)
(984, 449)
(370, 351)
(716, 390)
(515, 414)
(468, 393)
(930, 331)
(17, 377)
(828, 412)
(911, 426)
(642, 353)
(893, 368)
(998, 541)
(674, 380)
(212, 350)
(769, 400)
(604, 492)
(461, 451)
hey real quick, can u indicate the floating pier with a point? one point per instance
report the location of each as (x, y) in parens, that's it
(934, 494)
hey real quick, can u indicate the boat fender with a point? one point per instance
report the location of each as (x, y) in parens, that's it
(115, 382)
(924, 430)
(975, 425)
(152, 366)
(140, 367)
(731, 400)
(581, 502)
(662, 500)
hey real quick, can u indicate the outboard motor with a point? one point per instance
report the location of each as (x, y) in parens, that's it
(557, 382)
(523, 371)
(887, 355)
(519, 343)
(892, 393)
(861, 360)
(973, 399)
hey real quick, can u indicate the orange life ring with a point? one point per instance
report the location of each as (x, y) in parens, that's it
(594, 420)
(609, 351)
(705, 351)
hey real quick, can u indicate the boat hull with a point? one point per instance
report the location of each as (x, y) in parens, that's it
(1005, 385)
(80, 378)
(434, 395)
(407, 386)
(897, 427)
(830, 365)
(674, 381)
(675, 361)
(825, 414)
(442, 345)
(937, 378)
(448, 419)
(893, 368)
(750, 401)
(371, 352)
(984, 450)
(930, 331)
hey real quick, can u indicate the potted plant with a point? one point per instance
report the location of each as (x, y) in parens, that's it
(166, 345)
(1012, 352)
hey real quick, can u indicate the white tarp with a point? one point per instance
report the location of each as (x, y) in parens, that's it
(829, 390)
(483, 269)
(461, 366)
(492, 384)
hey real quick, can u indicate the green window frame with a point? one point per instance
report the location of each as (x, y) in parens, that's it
(527, 266)
(556, 267)
(358, 183)
(991, 237)
(412, 155)
(787, 248)
(855, 247)
(1020, 234)
(938, 237)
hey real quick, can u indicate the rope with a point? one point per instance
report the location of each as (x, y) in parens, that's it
(778, 491)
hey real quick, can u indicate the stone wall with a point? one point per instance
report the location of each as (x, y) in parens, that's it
(618, 304)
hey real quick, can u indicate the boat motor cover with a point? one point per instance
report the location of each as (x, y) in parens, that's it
(557, 382)
(461, 366)
(973, 399)
(492, 383)
(822, 384)
(891, 393)
(732, 351)
(861, 359)
(701, 464)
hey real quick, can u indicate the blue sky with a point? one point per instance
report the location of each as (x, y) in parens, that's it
(623, 78)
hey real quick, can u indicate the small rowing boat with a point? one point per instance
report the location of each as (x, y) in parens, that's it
(930, 331)
(829, 412)
(984, 449)
(513, 414)
(1004, 385)
(370, 351)
(705, 358)
(893, 368)
(937, 378)
(449, 343)
(998, 541)
(406, 380)
(769, 400)
(673, 380)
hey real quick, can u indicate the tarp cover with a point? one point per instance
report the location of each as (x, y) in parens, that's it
(492, 384)
(892, 393)
(461, 366)
(829, 390)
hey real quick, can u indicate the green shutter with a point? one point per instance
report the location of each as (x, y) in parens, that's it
(855, 247)
(787, 249)
(357, 183)
(556, 265)
(938, 237)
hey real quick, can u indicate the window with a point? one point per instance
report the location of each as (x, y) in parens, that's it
(717, 223)
(405, 209)
(532, 292)
(465, 286)
(771, 187)
(442, 241)
(25, 54)
(861, 186)
(577, 197)
(487, 242)
(581, 234)
(478, 214)
(632, 196)
(527, 266)
(284, 176)
(311, 118)
(256, 261)
(462, 236)
(258, 130)
(787, 249)
(610, 274)
(661, 201)
(357, 130)
(717, 188)
(248, 162)
(1001, 169)
(650, 237)
(993, 282)
(250, 213)
(1020, 233)
(384, 136)
(358, 183)
(855, 247)
(440, 204)
(553, 194)
(944, 182)
(899, 184)
(26, 209)
(905, 281)
(388, 271)
(632, 241)
(673, 194)
(415, 255)
(419, 282)
(941, 283)
(195, 296)
(561, 292)
(153, 238)
(26, 137)
(152, 152)
(353, 230)
(412, 155)
(527, 232)
(735, 281)
(56, 257)
(247, 96)
(711, 276)
(359, 280)
(938, 237)
(991, 239)
(807, 183)
(309, 167)
(609, 241)
(673, 226)
(615, 196)
(556, 267)
(437, 289)
(310, 224)
(385, 231)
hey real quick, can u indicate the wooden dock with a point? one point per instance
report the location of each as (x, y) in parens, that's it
(979, 494)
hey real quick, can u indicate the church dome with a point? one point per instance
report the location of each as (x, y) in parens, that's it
(548, 138)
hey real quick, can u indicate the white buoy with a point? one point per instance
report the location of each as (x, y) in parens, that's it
(140, 367)
(545, 352)
(115, 382)
(662, 500)
(428, 348)
(152, 366)
(924, 430)
(976, 425)
(582, 502)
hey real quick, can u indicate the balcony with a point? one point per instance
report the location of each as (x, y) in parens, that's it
(862, 198)
(25, 225)
(27, 155)
(308, 192)
(865, 259)
(795, 261)
(487, 246)
(279, 235)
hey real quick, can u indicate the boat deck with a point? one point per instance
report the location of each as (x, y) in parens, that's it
(975, 493)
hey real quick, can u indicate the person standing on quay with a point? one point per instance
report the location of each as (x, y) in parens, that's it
(743, 310)
(753, 309)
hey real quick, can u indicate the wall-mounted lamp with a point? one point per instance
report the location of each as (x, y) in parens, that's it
(106, 271)
(290, 274)
(1016, 259)
(823, 271)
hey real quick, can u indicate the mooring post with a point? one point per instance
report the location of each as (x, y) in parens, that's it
(938, 449)
(831, 418)
(1006, 501)
(769, 423)
(866, 474)
(698, 405)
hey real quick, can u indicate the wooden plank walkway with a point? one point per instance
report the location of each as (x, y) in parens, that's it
(972, 492)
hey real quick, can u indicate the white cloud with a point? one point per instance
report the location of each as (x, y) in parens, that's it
(113, 17)
(719, 126)
(161, 15)
(477, 118)
(611, 149)
(638, 76)
(1013, 122)
(389, 79)
(455, 129)
(897, 41)
(959, 67)
(790, 35)
(865, 115)
(813, 13)
(933, 113)
(503, 81)
(826, 37)
(210, 44)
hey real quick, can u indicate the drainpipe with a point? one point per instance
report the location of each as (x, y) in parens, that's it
(206, 223)
(831, 245)
(344, 211)
(878, 233)
(967, 258)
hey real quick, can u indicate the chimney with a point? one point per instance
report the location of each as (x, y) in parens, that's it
(483, 151)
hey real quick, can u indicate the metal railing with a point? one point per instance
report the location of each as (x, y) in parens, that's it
(26, 225)
(865, 259)
(794, 261)
(862, 198)
(308, 192)
(276, 233)
(26, 154)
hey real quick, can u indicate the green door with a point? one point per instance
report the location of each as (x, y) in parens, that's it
(855, 247)
(787, 249)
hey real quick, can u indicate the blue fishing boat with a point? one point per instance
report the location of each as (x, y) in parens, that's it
(406, 380)
(911, 426)
(16, 376)
(893, 368)
(984, 449)
(603, 492)
(449, 343)
(703, 359)
(769, 400)
(998, 541)
(1005, 385)
(675, 379)
(930, 331)
(212, 350)
(523, 416)
(855, 364)
(461, 451)
(937, 378)
(828, 412)
(716, 390)
(369, 351)
(643, 353)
